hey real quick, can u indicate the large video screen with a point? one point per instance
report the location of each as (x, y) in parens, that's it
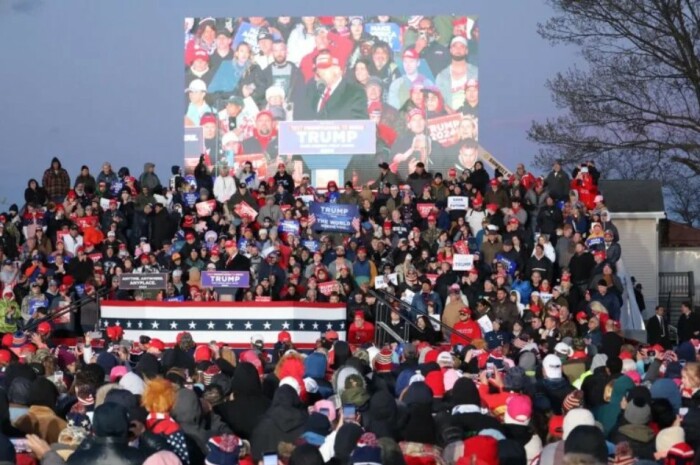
(416, 78)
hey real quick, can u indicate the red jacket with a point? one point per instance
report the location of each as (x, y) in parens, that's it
(359, 336)
(465, 331)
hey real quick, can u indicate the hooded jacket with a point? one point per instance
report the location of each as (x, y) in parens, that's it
(608, 414)
(315, 367)
(283, 421)
(248, 405)
(110, 445)
(187, 411)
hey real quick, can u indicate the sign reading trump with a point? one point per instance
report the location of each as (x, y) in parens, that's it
(225, 278)
(327, 137)
(334, 216)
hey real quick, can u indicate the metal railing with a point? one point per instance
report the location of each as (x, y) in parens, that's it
(382, 328)
(32, 325)
(383, 296)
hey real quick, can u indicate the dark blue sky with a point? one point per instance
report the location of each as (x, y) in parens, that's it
(89, 81)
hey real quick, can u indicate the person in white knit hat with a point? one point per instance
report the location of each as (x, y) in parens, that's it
(553, 453)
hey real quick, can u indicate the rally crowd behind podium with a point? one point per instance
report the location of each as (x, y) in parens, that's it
(535, 370)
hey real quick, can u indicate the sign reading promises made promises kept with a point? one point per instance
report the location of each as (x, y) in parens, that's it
(142, 282)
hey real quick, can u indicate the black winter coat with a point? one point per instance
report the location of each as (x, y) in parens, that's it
(110, 451)
(249, 405)
(284, 421)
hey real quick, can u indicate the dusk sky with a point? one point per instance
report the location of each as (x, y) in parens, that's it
(90, 81)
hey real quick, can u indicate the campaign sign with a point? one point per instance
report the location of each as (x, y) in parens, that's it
(116, 187)
(424, 209)
(328, 287)
(225, 279)
(337, 137)
(334, 216)
(194, 147)
(244, 210)
(457, 203)
(190, 198)
(313, 246)
(445, 129)
(206, 208)
(87, 221)
(194, 142)
(462, 262)
(145, 281)
(289, 227)
(386, 32)
(36, 303)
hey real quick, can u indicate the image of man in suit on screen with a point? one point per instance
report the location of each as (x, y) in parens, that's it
(339, 98)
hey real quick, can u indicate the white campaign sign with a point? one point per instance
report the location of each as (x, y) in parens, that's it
(462, 262)
(457, 203)
(485, 323)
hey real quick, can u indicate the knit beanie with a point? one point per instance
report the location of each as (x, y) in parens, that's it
(638, 412)
(576, 417)
(587, 439)
(382, 362)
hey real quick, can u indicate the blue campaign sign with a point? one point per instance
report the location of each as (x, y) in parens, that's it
(116, 187)
(386, 32)
(334, 217)
(289, 227)
(190, 198)
(338, 137)
(35, 303)
(313, 246)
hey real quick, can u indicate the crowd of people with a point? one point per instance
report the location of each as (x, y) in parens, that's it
(517, 360)
(415, 77)
(504, 288)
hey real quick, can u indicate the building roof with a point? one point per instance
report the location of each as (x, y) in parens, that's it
(623, 196)
(674, 234)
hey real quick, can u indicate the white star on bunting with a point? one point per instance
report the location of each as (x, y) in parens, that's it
(315, 325)
(140, 325)
(342, 325)
(267, 325)
(128, 324)
(229, 325)
(329, 326)
(301, 325)
(193, 325)
(117, 323)
(210, 325)
(285, 325)
(155, 325)
(249, 325)
(173, 325)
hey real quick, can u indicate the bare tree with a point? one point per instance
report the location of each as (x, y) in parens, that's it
(682, 199)
(634, 104)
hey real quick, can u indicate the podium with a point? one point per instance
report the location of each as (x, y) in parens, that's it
(327, 146)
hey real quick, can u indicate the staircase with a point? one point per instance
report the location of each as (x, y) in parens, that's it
(384, 334)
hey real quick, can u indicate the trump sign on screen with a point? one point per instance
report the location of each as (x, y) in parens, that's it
(360, 90)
